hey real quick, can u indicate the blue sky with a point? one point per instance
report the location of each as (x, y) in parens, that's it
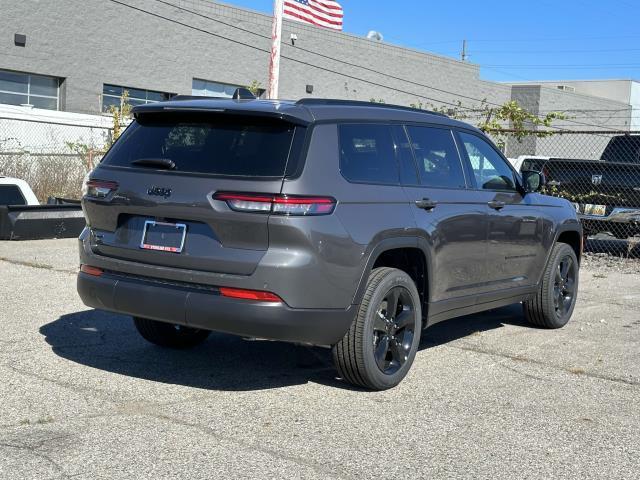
(511, 40)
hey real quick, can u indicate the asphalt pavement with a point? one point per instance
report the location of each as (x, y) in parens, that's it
(83, 396)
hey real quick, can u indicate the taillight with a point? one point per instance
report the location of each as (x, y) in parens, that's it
(294, 205)
(243, 294)
(98, 188)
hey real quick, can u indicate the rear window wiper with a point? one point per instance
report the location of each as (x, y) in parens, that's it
(155, 162)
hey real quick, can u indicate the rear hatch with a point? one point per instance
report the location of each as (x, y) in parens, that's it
(151, 200)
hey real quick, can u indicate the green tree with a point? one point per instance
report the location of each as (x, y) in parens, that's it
(121, 116)
(501, 121)
(255, 87)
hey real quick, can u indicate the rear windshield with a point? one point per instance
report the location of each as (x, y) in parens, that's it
(623, 150)
(217, 146)
(11, 195)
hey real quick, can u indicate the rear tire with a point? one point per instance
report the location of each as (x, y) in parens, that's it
(379, 348)
(169, 335)
(553, 305)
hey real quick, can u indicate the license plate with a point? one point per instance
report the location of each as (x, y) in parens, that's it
(595, 210)
(163, 237)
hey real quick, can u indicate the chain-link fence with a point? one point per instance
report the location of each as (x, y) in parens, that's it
(599, 172)
(52, 157)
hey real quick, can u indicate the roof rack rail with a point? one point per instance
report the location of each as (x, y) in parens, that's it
(359, 103)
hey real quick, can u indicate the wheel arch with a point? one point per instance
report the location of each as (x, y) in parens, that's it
(574, 239)
(410, 254)
(571, 234)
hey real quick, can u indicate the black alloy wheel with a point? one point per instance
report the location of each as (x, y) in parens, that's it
(393, 330)
(381, 345)
(565, 285)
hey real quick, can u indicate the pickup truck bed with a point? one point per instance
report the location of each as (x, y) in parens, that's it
(29, 222)
(606, 194)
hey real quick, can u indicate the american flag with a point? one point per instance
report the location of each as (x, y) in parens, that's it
(324, 13)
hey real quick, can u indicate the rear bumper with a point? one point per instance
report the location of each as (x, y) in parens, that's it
(617, 215)
(205, 308)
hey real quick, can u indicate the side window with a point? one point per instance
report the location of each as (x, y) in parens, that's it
(437, 156)
(367, 154)
(11, 195)
(408, 172)
(489, 168)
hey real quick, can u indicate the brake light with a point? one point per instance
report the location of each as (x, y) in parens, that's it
(277, 204)
(98, 188)
(249, 294)
(89, 270)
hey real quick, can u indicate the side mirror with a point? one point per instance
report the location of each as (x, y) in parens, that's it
(533, 181)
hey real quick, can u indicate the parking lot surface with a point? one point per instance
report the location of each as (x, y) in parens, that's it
(83, 396)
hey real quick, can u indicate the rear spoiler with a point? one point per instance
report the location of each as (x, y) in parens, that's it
(243, 103)
(190, 107)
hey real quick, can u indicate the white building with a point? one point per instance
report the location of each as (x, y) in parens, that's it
(620, 90)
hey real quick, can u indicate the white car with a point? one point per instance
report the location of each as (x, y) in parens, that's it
(517, 162)
(14, 191)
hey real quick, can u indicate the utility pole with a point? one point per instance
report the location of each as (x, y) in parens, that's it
(274, 61)
(464, 55)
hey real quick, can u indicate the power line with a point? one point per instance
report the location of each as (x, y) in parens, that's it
(377, 72)
(358, 66)
(567, 66)
(361, 67)
(302, 62)
(328, 57)
(521, 52)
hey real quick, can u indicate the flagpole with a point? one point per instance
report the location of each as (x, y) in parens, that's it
(276, 42)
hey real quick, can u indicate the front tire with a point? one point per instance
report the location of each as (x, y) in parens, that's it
(169, 335)
(379, 348)
(553, 305)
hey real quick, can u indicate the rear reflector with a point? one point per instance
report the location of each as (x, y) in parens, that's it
(89, 270)
(249, 294)
(277, 204)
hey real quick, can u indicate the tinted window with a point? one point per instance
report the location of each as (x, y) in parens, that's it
(408, 172)
(367, 154)
(623, 149)
(219, 147)
(438, 160)
(490, 170)
(11, 195)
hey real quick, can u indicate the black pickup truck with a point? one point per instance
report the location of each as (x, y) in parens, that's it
(22, 217)
(605, 192)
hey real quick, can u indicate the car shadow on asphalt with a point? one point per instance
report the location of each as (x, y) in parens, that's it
(109, 342)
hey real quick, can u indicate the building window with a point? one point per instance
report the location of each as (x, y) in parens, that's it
(205, 88)
(111, 95)
(18, 88)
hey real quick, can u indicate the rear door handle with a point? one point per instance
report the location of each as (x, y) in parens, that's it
(496, 204)
(426, 204)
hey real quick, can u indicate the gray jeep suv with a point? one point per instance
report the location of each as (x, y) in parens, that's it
(326, 222)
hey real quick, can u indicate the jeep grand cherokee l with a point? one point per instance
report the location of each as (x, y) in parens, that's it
(326, 222)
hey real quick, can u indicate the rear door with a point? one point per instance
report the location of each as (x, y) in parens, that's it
(210, 154)
(447, 212)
